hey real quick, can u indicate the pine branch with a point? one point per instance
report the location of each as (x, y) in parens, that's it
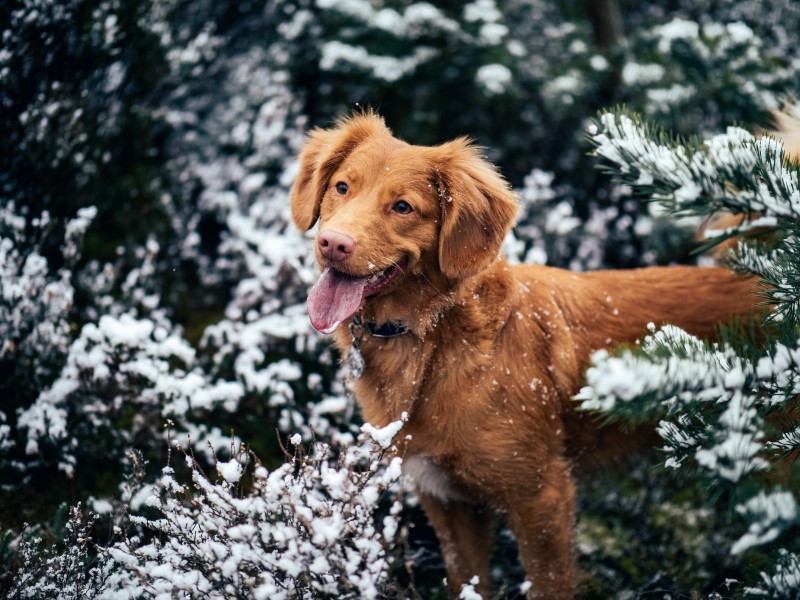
(782, 582)
(734, 171)
(770, 515)
(787, 443)
(671, 367)
(778, 267)
(712, 399)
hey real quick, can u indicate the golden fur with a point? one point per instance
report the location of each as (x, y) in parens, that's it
(495, 352)
(787, 128)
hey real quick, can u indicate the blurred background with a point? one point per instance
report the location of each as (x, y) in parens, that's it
(153, 286)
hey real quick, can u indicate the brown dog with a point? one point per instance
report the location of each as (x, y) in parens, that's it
(492, 354)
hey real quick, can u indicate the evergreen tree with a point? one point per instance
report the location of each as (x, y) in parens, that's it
(727, 410)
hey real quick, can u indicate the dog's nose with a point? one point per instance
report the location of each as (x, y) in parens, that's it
(334, 245)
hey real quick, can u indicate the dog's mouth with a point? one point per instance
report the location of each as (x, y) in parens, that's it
(380, 280)
(336, 295)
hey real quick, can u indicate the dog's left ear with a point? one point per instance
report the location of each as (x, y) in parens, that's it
(324, 152)
(478, 209)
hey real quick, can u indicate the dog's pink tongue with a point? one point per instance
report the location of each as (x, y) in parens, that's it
(333, 298)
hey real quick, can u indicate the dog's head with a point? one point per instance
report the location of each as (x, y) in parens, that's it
(388, 210)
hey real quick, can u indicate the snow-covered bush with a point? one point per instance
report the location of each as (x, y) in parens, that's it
(36, 298)
(696, 74)
(115, 369)
(310, 528)
(68, 569)
(551, 229)
(36, 302)
(307, 529)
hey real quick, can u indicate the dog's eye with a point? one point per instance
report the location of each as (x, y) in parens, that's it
(341, 187)
(402, 207)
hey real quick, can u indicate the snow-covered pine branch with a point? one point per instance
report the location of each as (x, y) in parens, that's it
(783, 582)
(704, 391)
(712, 399)
(778, 269)
(734, 171)
(787, 443)
(770, 514)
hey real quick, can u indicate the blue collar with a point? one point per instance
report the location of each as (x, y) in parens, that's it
(389, 329)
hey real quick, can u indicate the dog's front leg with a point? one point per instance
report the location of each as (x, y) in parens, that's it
(543, 521)
(465, 533)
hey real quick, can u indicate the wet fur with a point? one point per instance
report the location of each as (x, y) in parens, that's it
(496, 352)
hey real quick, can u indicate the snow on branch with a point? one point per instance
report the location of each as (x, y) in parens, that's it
(734, 171)
(694, 384)
(787, 443)
(778, 267)
(671, 365)
(383, 436)
(783, 582)
(770, 515)
(306, 529)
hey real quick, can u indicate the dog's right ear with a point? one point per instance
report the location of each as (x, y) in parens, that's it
(478, 208)
(324, 152)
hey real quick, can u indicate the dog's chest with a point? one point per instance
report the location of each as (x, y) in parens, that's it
(395, 375)
(430, 479)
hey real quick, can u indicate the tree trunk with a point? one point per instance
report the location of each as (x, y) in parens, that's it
(606, 22)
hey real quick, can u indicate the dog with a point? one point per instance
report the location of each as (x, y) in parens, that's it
(484, 357)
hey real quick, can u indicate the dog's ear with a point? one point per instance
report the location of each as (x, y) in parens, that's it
(325, 150)
(478, 209)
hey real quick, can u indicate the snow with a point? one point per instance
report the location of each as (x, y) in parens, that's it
(739, 32)
(599, 63)
(383, 436)
(563, 88)
(389, 20)
(644, 74)
(663, 100)
(688, 192)
(125, 331)
(561, 219)
(494, 78)
(336, 54)
(482, 10)
(677, 29)
(770, 515)
(139, 499)
(231, 471)
(468, 591)
(493, 33)
(352, 8)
